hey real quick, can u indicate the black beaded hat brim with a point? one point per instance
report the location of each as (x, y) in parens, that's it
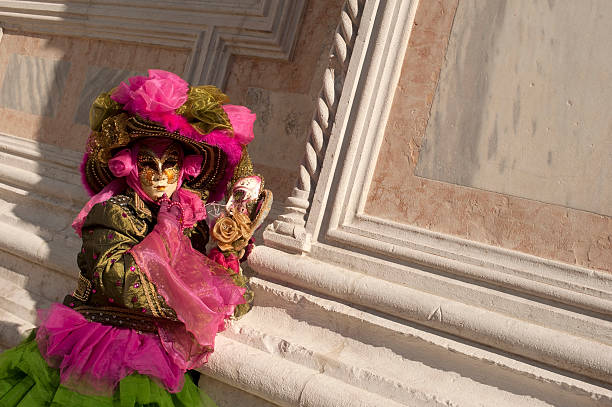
(102, 147)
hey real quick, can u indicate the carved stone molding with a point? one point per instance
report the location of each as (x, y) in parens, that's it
(212, 30)
(325, 243)
(292, 222)
(35, 180)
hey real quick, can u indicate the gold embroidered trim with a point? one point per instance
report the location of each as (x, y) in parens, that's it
(142, 230)
(155, 299)
(140, 205)
(83, 289)
(145, 286)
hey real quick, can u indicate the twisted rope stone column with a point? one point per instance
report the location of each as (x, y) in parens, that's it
(292, 222)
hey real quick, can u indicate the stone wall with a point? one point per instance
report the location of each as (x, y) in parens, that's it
(282, 93)
(499, 131)
(48, 82)
(421, 254)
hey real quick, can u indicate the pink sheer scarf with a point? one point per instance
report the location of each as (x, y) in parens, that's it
(200, 291)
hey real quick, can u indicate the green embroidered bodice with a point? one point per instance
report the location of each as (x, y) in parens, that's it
(111, 288)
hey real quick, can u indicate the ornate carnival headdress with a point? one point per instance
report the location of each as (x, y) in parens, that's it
(163, 105)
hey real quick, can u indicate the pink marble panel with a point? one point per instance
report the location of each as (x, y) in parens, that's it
(549, 231)
(303, 73)
(82, 54)
(282, 93)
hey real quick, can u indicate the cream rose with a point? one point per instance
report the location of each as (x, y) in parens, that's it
(226, 232)
(244, 223)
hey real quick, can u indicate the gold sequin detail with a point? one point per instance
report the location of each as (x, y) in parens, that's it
(242, 170)
(83, 289)
(144, 282)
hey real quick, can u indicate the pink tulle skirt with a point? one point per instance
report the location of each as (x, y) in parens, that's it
(93, 358)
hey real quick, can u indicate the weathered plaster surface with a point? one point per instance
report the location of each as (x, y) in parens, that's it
(282, 121)
(522, 107)
(282, 94)
(84, 62)
(545, 230)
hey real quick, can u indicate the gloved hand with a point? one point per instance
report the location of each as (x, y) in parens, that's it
(170, 212)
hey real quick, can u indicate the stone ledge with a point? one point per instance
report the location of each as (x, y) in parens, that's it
(583, 355)
(569, 309)
(285, 383)
(290, 335)
(573, 285)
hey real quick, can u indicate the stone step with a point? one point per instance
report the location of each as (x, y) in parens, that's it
(289, 331)
(52, 249)
(20, 302)
(13, 329)
(18, 309)
(37, 279)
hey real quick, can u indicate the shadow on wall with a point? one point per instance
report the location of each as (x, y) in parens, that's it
(37, 200)
(44, 95)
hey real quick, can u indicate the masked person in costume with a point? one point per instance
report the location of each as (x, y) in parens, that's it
(149, 299)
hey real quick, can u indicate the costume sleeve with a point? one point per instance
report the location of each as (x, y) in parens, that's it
(198, 236)
(109, 275)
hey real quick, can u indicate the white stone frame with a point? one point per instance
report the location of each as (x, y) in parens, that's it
(544, 310)
(212, 29)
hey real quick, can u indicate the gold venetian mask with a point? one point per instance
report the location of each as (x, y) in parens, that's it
(159, 176)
